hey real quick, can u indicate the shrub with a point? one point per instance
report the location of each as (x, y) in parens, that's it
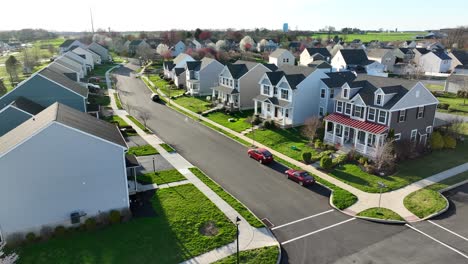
(352, 154)
(31, 237)
(444, 106)
(46, 232)
(318, 144)
(326, 163)
(15, 239)
(90, 224)
(103, 218)
(269, 124)
(307, 157)
(60, 230)
(330, 147)
(371, 169)
(450, 142)
(363, 160)
(114, 217)
(256, 120)
(437, 142)
(340, 159)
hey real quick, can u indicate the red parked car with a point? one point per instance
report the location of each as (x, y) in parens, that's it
(261, 155)
(300, 176)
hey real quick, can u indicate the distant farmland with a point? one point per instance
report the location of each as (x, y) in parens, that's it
(372, 36)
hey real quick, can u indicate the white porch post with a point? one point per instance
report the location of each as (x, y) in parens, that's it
(255, 105)
(377, 141)
(334, 132)
(326, 129)
(213, 94)
(284, 117)
(356, 132)
(342, 135)
(365, 142)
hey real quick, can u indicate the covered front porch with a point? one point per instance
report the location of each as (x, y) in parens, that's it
(364, 137)
(267, 110)
(227, 97)
(193, 87)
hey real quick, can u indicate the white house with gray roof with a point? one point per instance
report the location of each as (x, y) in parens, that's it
(435, 62)
(201, 76)
(72, 64)
(83, 171)
(356, 60)
(70, 44)
(88, 56)
(101, 51)
(309, 55)
(280, 57)
(79, 59)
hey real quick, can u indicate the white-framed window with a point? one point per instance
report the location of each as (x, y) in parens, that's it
(358, 111)
(230, 82)
(321, 111)
(429, 129)
(371, 114)
(284, 94)
(339, 107)
(268, 107)
(414, 134)
(275, 90)
(286, 112)
(397, 136)
(345, 93)
(402, 116)
(379, 100)
(236, 83)
(266, 89)
(382, 117)
(338, 129)
(420, 112)
(332, 93)
(322, 93)
(348, 109)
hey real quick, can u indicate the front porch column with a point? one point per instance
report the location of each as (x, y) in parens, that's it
(365, 142)
(377, 142)
(343, 135)
(213, 95)
(326, 130)
(334, 132)
(356, 132)
(284, 117)
(255, 107)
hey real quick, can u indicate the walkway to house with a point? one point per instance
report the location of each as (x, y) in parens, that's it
(391, 200)
(249, 237)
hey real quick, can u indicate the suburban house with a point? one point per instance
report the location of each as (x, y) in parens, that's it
(16, 113)
(408, 44)
(459, 62)
(329, 86)
(79, 186)
(68, 72)
(72, 64)
(356, 60)
(179, 62)
(202, 75)
(167, 69)
(368, 108)
(269, 46)
(69, 44)
(194, 44)
(434, 62)
(383, 56)
(418, 52)
(101, 51)
(88, 56)
(178, 48)
(179, 77)
(136, 44)
(456, 82)
(280, 57)
(46, 87)
(77, 58)
(238, 84)
(403, 55)
(310, 55)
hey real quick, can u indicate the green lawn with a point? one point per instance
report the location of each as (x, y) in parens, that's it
(170, 237)
(457, 104)
(101, 69)
(266, 255)
(238, 125)
(373, 36)
(167, 147)
(424, 202)
(117, 101)
(117, 119)
(102, 100)
(164, 86)
(140, 125)
(241, 209)
(195, 104)
(161, 177)
(381, 213)
(434, 87)
(144, 150)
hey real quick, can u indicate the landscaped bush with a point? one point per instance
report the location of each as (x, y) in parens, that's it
(31, 237)
(340, 159)
(256, 120)
(352, 155)
(450, 142)
(370, 168)
(326, 163)
(114, 217)
(307, 157)
(363, 160)
(437, 141)
(60, 230)
(318, 144)
(46, 232)
(330, 147)
(103, 218)
(269, 124)
(444, 106)
(90, 224)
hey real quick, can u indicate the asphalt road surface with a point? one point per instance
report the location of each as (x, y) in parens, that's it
(309, 230)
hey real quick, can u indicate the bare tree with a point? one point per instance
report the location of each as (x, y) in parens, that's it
(144, 116)
(311, 126)
(7, 259)
(456, 37)
(385, 157)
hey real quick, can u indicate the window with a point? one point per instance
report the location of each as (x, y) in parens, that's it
(268, 107)
(420, 112)
(371, 140)
(397, 136)
(286, 112)
(236, 83)
(230, 82)
(284, 94)
(429, 129)
(322, 93)
(332, 93)
(379, 99)
(321, 111)
(275, 90)
(371, 114)
(345, 93)
(414, 134)
(402, 116)
(358, 111)
(287, 59)
(339, 107)
(266, 89)
(382, 117)
(338, 129)
(348, 109)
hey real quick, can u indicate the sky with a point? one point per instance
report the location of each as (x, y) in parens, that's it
(148, 15)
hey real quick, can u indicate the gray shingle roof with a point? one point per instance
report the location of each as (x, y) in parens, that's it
(194, 65)
(322, 51)
(422, 50)
(354, 56)
(278, 52)
(274, 77)
(27, 105)
(294, 79)
(461, 55)
(337, 79)
(65, 115)
(442, 55)
(248, 64)
(273, 100)
(237, 70)
(384, 81)
(179, 71)
(291, 69)
(67, 43)
(377, 53)
(63, 80)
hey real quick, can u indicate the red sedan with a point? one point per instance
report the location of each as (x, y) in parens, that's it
(261, 155)
(300, 176)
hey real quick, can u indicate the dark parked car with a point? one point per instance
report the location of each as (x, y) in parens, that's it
(155, 97)
(261, 155)
(300, 176)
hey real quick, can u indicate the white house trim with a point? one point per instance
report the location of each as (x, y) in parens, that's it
(20, 110)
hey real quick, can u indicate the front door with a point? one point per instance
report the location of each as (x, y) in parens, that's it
(276, 111)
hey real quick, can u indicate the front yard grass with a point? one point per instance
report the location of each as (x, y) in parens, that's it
(167, 147)
(171, 237)
(120, 122)
(164, 86)
(424, 202)
(195, 104)
(240, 118)
(101, 69)
(434, 87)
(102, 100)
(240, 208)
(117, 101)
(144, 150)
(140, 125)
(161, 177)
(266, 255)
(381, 213)
(456, 104)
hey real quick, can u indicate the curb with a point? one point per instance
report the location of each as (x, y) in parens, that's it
(453, 186)
(382, 221)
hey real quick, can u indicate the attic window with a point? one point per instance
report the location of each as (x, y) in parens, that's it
(345, 93)
(379, 99)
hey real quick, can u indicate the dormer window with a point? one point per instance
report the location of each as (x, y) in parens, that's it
(266, 89)
(346, 93)
(379, 100)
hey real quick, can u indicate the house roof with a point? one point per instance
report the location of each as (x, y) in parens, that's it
(322, 51)
(97, 48)
(72, 65)
(64, 115)
(237, 70)
(273, 100)
(225, 90)
(361, 125)
(67, 43)
(59, 68)
(354, 56)
(294, 79)
(292, 69)
(461, 55)
(422, 50)
(385, 81)
(169, 65)
(179, 71)
(270, 66)
(377, 53)
(135, 42)
(206, 61)
(62, 80)
(27, 105)
(337, 79)
(248, 64)
(279, 52)
(274, 77)
(319, 64)
(442, 55)
(181, 57)
(194, 65)
(131, 161)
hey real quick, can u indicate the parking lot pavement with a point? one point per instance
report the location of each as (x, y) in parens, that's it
(160, 164)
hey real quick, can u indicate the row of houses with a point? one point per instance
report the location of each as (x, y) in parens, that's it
(359, 109)
(63, 163)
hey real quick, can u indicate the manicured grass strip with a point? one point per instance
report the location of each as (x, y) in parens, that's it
(238, 125)
(172, 236)
(253, 220)
(381, 213)
(194, 104)
(266, 255)
(101, 69)
(116, 119)
(424, 202)
(117, 101)
(167, 147)
(102, 100)
(144, 150)
(140, 125)
(161, 177)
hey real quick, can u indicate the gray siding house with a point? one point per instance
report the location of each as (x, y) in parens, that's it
(101, 51)
(83, 170)
(202, 75)
(47, 87)
(368, 108)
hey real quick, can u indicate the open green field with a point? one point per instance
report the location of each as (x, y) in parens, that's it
(372, 36)
(161, 177)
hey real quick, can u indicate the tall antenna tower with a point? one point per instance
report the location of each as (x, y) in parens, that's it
(92, 24)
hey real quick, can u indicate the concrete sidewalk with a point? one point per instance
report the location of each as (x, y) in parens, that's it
(249, 238)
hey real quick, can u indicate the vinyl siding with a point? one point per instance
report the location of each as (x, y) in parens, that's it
(412, 122)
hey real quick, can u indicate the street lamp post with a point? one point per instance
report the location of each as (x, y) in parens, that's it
(154, 165)
(381, 186)
(237, 225)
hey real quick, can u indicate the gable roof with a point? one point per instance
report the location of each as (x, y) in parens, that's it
(237, 70)
(377, 53)
(179, 71)
(64, 115)
(169, 65)
(279, 52)
(422, 50)
(59, 68)
(135, 42)
(270, 66)
(207, 61)
(66, 63)
(294, 79)
(441, 54)
(461, 56)
(27, 105)
(248, 64)
(67, 43)
(354, 56)
(194, 65)
(64, 81)
(386, 81)
(97, 48)
(292, 69)
(319, 64)
(337, 79)
(322, 51)
(274, 77)
(181, 57)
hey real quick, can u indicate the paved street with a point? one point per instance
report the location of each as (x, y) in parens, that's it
(308, 228)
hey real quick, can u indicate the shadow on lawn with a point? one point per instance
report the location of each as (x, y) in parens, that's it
(338, 173)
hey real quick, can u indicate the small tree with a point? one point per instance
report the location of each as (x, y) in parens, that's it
(307, 157)
(310, 128)
(7, 259)
(385, 157)
(144, 116)
(3, 88)
(437, 141)
(326, 163)
(12, 65)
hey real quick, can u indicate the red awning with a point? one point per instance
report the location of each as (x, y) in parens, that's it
(361, 125)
